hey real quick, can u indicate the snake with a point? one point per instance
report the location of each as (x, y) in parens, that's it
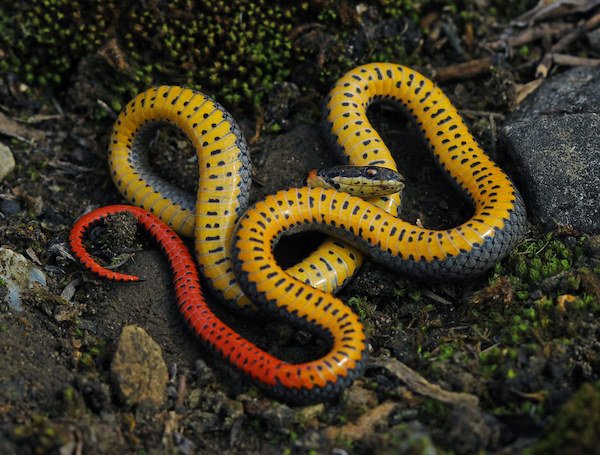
(234, 246)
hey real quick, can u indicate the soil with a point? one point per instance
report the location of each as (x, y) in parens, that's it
(56, 390)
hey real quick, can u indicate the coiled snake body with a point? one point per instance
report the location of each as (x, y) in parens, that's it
(222, 248)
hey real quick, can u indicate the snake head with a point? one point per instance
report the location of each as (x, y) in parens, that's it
(361, 181)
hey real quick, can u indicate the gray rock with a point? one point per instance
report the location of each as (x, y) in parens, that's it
(554, 142)
(17, 274)
(138, 369)
(281, 98)
(576, 91)
(10, 207)
(7, 161)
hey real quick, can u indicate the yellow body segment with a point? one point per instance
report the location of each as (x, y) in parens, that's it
(497, 225)
(222, 247)
(222, 155)
(448, 138)
(224, 179)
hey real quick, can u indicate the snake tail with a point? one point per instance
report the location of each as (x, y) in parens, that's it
(302, 383)
(224, 176)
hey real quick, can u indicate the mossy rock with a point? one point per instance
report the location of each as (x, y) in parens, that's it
(575, 428)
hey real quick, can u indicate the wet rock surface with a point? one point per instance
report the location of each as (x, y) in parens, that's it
(554, 144)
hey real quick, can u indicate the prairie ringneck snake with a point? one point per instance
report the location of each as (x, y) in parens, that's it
(234, 246)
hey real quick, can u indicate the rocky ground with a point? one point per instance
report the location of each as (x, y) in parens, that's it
(507, 363)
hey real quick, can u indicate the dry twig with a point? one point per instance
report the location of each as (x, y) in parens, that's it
(524, 90)
(531, 34)
(463, 70)
(418, 384)
(559, 8)
(546, 62)
(572, 60)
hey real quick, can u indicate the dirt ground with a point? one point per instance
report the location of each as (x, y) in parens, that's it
(500, 364)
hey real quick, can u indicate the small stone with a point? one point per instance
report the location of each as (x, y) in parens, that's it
(230, 412)
(279, 417)
(254, 406)
(223, 410)
(138, 369)
(205, 422)
(7, 161)
(308, 415)
(10, 207)
(231, 409)
(536, 294)
(96, 394)
(204, 375)
(107, 436)
(312, 441)
(407, 438)
(471, 430)
(357, 400)
(18, 274)
(172, 391)
(184, 445)
(194, 398)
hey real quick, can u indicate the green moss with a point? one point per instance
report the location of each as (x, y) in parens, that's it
(51, 37)
(575, 428)
(523, 51)
(509, 9)
(404, 8)
(416, 295)
(535, 260)
(434, 411)
(41, 434)
(405, 438)
(234, 50)
(364, 310)
(536, 309)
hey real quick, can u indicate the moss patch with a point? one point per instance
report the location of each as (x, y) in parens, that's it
(575, 428)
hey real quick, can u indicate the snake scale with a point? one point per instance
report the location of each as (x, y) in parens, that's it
(234, 246)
